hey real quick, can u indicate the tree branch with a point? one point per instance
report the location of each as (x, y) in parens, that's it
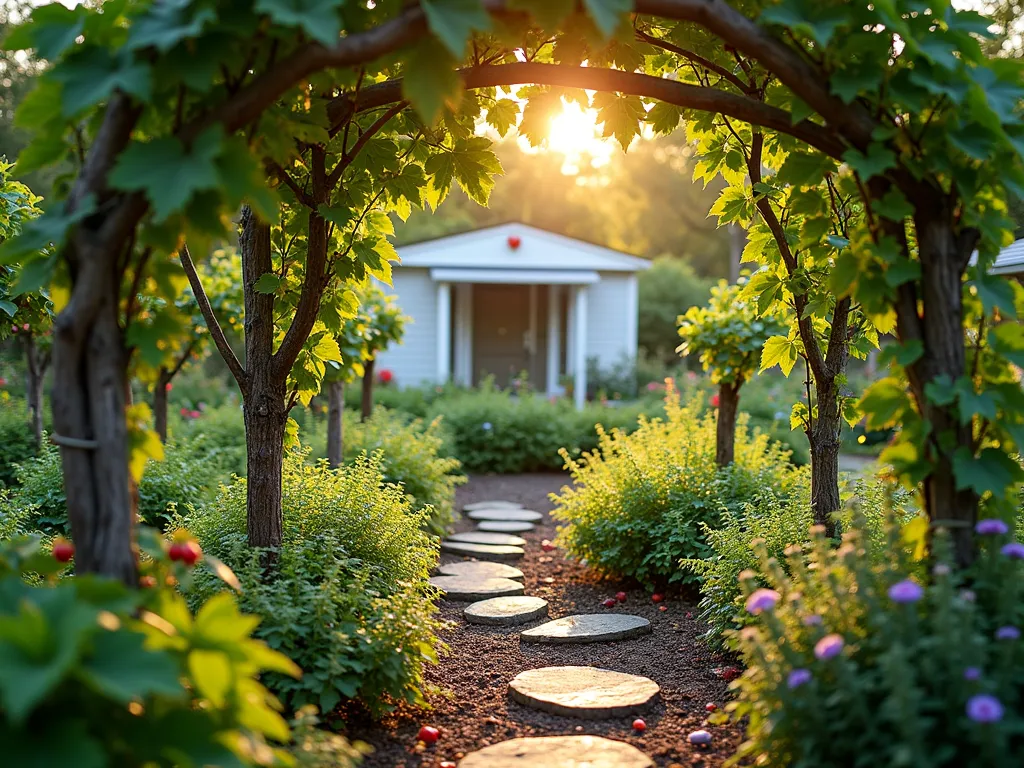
(219, 339)
(300, 194)
(696, 59)
(350, 155)
(182, 360)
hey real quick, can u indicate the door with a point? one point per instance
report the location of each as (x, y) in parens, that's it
(502, 340)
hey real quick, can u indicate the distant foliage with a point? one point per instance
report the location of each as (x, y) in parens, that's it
(667, 290)
(16, 442)
(349, 600)
(637, 504)
(861, 656)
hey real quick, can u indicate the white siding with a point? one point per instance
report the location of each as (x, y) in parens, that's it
(611, 319)
(414, 362)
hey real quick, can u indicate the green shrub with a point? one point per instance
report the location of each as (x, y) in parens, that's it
(861, 657)
(637, 503)
(16, 442)
(349, 599)
(185, 476)
(218, 435)
(85, 682)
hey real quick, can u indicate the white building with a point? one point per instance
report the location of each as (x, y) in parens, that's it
(512, 298)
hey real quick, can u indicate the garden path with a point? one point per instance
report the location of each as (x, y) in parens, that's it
(669, 669)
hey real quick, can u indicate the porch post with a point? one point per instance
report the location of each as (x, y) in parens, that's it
(464, 334)
(570, 331)
(444, 332)
(580, 346)
(554, 338)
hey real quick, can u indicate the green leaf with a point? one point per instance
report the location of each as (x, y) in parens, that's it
(884, 403)
(620, 116)
(941, 390)
(780, 351)
(973, 403)
(454, 21)
(317, 18)
(607, 14)
(502, 115)
(798, 416)
(902, 354)
(548, 13)
(429, 79)
(805, 168)
(267, 283)
(169, 173)
(121, 668)
(50, 31)
(212, 674)
(34, 274)
(167, 24)
(996, 291)
(990, 471)
(878, 159)
(8, 307)
(92, 76)
(664, 117)
(48, 230)
(893, 206)
(327, 349)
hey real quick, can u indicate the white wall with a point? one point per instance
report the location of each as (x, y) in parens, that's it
(415, 360)
(612, 318)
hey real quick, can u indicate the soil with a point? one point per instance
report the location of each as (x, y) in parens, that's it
(469, 688)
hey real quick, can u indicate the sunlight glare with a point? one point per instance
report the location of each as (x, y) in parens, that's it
(573, 130)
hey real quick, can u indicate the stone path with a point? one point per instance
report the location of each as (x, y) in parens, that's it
(505, 526)
(573, 691)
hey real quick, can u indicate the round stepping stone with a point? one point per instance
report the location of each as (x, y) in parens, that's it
(478, 569)
(558, 752)
(586, 692)
(504, 526)
(481, 551)
(468, 589)
(492, 505)
(588, 628)
(492, 539)
(506, 611)
(507, 515)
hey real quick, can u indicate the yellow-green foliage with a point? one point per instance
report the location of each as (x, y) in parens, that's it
(638, 501)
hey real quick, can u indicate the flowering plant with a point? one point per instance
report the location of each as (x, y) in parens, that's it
(863, 656)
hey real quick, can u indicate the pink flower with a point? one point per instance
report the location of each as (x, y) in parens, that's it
(185, 412)
(829, 647)
(762, 600)
(195, 414)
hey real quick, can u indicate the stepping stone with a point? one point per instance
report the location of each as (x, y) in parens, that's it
(468, 589)
(513, 515)
(482, 551)
(491, 505)
(479, 570)
(504, 526)
(586, 692)
(506, 611)
(493, 539)
(588, 628)
(558, 752)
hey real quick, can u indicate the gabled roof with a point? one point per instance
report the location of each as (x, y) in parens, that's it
(1010, 260)
(489, 248)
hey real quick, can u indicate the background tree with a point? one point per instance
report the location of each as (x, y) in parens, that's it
(352, 342)
(385, 326)
(671, 286)
(727, 335)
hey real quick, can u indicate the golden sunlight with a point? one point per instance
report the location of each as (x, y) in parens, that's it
(575, 133)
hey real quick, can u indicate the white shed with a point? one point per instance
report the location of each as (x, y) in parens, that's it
(512, 298)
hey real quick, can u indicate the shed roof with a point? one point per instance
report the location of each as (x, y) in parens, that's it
(1010, 260)
(537, 249)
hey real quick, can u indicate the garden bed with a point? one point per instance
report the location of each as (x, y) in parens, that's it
(471, 705)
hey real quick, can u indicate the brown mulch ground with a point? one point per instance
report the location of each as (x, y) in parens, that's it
(470, 704)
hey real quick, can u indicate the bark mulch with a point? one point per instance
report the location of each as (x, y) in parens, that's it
(469, 700)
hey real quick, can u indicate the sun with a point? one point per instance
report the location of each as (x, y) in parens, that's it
(573, 130)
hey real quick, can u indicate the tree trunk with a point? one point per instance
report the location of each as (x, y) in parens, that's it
(160, 404)
(263, 407)
(823, 437)
(728, 405)
(36, 365)
(367, 404)
(335, 423)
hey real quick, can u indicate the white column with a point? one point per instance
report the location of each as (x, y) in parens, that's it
(570, 331)
(632, 311)
(554, 339)
(464, 334)
(444, 332)
(580, 346)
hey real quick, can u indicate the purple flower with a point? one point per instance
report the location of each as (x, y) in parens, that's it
(828, 647)
(797, 678)
(991, 526)
(967, 595)
(906, 591)
(984, 709)
(1007, 633)
(972, 673)
(812, 620)
(762, 600)
(1014, 549)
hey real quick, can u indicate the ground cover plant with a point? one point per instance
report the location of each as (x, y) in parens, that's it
(637, 503)
(349, 600)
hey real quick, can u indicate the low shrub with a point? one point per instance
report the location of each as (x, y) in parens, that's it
(218, 435)
(97, 675)
(184, 476)
(349, 599)
(16, 442)
(861, 657)
(637, 502)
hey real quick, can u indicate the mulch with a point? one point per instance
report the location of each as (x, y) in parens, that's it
(468, 697)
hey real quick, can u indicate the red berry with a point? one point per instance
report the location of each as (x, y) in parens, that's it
(609, 603)
(656, 597)
(663, 608)
(24, 327)
(147, 582)
(710, 706)
(167, 387)
(689, 615)
(547, 546)
(177, 551)
(639, 725)
(63, 550)
(428, 734)
(191, 553)
(620, 596)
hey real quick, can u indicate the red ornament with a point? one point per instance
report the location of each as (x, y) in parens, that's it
(639, 725)
(620, 596)
(63, 550)
(714, 401)
(657, 598)
(428, 734)
(385, 376)
(514, 241)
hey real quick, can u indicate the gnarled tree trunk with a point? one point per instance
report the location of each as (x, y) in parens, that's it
(335, 423)
(367, 401)
(823, 437)
(725, 438)
(36, 363)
